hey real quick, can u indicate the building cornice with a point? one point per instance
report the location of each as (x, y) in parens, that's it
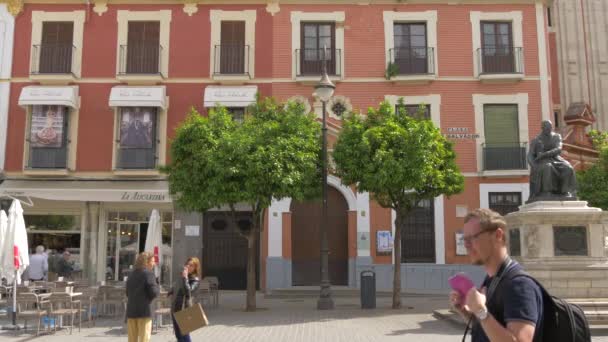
(19, 3)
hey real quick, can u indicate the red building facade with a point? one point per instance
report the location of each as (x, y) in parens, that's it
(97, 90)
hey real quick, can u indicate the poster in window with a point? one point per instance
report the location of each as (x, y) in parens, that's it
(384, 241)
(137, 127)
(47, 126)
(460, 248)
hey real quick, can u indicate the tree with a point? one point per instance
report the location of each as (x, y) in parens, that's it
(592, 182)
(272, 154)
(400, 160)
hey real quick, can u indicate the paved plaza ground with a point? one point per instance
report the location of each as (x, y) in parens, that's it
(292, 320)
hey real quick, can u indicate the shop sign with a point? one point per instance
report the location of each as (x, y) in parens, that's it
(137, 196)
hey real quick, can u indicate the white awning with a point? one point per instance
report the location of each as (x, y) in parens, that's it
(47, 95)
(99, 191)
(138, 97)
(230, 96)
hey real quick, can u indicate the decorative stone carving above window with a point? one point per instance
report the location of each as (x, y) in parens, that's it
(301, 99)
(339, 105)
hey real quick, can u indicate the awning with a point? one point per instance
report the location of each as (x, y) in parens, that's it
(47, 95)
(89, 190)
(230, 96)
(138, 97)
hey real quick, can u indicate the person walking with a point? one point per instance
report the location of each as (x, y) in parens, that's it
(39, 265)
(142, 288)
(182, 292)
(516, 313)
(65, 266)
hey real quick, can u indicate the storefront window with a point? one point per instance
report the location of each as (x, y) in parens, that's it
(57, 233)
(127, 232)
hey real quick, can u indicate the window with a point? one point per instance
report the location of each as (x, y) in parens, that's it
(497, 51)
(504, 202)
(502, 150)
(55, 233)
(410, 52)
(238, 113)
(56, 45)
(56, 49)
(318, 44)
(48, 137)
(137, 138)
(412, 110)
(232, 50)
(147, 34)
(143, 49)
(497, 45)
(418, 236)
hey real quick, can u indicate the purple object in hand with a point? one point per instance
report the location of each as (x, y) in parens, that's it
(462, 284)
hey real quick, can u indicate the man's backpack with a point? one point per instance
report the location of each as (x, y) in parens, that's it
(562, 321)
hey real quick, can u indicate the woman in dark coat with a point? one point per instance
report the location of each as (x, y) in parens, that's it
(182, 292)
(141, 290)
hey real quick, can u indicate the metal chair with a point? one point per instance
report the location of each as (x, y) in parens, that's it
(29, 305)
(62, 305)
(214, 285)
(90, 300)
(162, 308)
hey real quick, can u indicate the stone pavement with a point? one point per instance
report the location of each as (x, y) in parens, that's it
(292, 320)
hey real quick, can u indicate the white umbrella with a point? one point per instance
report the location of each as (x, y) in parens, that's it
(15, 257)
(3, 228)
(154, 240)
(15, 247)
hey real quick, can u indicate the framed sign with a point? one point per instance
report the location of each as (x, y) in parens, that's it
(460, 249)
(384, 242)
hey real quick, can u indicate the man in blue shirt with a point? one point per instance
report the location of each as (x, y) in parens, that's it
(516, 312)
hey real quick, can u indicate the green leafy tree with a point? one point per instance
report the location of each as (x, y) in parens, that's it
(272, 154)
(400, 160)
(593, 182)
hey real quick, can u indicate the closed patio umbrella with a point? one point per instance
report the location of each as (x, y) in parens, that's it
(154, 240)
(3, 228)
(15, 257)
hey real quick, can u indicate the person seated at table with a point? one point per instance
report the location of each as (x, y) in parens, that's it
(39, 265)
(65, 266)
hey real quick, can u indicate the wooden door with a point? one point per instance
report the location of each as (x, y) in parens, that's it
(232, 48)
(225, 249)
(143, 47)
(56, 48)
(305, 240)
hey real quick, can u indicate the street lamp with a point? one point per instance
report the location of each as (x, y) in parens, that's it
(324, 90)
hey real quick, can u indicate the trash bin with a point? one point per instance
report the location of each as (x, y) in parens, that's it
(368, 290)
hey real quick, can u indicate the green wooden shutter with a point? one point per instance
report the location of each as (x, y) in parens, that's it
(501, 125)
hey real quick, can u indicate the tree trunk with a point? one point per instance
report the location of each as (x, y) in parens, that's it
(397, 263)
(251, 263)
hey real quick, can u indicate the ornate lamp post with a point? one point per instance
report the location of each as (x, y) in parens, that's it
(324, 90)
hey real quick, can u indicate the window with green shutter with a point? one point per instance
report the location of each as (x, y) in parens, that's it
(501, 125)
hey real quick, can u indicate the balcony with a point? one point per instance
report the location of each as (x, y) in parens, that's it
(53, 62)
(500, 63)
(413, 64)
(141, 62)
(136, 159)
(309, 64)
(231, 62)
(504, 156)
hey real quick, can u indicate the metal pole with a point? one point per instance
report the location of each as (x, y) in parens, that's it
(15, 300)
(325, 301)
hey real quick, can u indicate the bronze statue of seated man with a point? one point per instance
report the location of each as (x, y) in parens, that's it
(552, 178)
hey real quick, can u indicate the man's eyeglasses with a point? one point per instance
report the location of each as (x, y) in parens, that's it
(469, 239)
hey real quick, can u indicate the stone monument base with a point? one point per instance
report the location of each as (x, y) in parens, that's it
(563, 244)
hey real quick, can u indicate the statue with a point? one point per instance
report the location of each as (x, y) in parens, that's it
(552, 178)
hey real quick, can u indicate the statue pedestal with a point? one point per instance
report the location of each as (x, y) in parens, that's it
(564, 245)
